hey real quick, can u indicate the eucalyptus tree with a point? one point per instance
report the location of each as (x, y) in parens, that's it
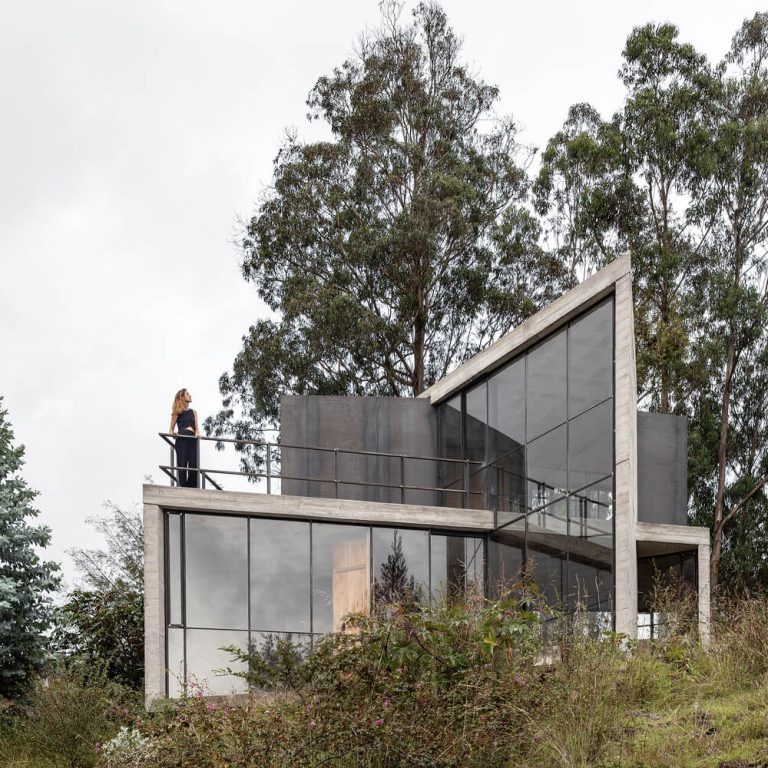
(397, 247)
(26, 581)
(732, 203)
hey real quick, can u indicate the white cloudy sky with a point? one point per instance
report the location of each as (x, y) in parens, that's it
(133, 134)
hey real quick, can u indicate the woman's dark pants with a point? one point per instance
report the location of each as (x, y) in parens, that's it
(187, 459)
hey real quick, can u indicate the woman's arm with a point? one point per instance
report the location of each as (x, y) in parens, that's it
(197, 427)
(174, 416)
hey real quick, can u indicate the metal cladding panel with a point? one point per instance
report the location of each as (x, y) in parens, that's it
(375, 424)
(662, 468)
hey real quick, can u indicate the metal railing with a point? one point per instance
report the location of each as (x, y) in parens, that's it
(271, 460)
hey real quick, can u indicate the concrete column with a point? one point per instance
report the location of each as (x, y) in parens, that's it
(625, 503)
(154, 604)
(704, 589)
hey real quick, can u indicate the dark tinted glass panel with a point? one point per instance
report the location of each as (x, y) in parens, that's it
(547, 567)
(400, 565)
(506, 410)
(590, 446)
(174, 569)
(475, 423)
(506, 486)
(457, 566)
(450, 447)
(505, 559)
(546, 405)
(547, 468)
(594, 503)
(341, 574)
(216, 561)
(205, 656)
(175, 662)
(589, 587)
(590, 359)
(280, 585)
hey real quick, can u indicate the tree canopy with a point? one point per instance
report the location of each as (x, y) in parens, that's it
(398, 247)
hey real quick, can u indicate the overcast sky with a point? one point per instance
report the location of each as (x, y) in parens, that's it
(133, 135)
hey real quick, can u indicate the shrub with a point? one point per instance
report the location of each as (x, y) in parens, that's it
(67, 716)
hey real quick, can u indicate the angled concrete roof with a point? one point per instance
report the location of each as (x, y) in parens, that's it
(541, 324)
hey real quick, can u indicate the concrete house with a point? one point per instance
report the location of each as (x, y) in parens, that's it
(530, 453)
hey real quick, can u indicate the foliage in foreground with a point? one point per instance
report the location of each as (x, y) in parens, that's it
(444, 686)
(102, 620)
(466, 686)
(65, 719)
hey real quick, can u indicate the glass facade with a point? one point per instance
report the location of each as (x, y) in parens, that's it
(533, 441)
(250, 582)
(542, 428)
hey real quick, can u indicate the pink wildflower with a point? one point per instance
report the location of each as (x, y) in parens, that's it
(387, 702)
(378, 722)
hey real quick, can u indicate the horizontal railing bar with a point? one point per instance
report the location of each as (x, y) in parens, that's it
(166, 469)
(350, 451)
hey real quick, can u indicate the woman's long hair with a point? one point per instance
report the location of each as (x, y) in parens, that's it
(179, 403)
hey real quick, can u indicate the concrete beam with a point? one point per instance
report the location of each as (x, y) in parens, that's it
(319, 510)
(685, 537)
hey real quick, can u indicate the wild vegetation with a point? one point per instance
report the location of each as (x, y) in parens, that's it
(466, 684)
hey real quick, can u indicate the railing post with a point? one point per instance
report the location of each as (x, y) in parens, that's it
(172, 463)
(465, 482)
(402, 478)
(269, 470)
(336, 470)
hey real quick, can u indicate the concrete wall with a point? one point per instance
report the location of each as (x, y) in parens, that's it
(662, 468)
(376, 424)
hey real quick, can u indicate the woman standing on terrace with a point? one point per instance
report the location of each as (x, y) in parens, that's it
(184, 420)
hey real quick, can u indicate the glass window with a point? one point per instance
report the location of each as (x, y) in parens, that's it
(506, 486)
(216, 562)
(590, 359)
(280, 583)
(477, 416)
(400, 570)
(590, 446)
(506, 409)
(546, 402)
(341, 576)
(457, 566)
(174, 569)
(450, 430)
(206, 660)
(547, 567)
(505, 559)
(175, 662)
(547, 468)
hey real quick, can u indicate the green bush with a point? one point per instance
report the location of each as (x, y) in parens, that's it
(65, 719)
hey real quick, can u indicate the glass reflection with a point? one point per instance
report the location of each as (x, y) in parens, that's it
(280, 583)
(457, 566)
(546, 402)
(547, 468)
(590, 446)
(476, 419)
(506, 409)
(450, 436)
(341, 577)
(206, 659)
(400, 570)
(276, 646)
(216, 562)
(505, 559)
(590, 359)
(175, 672)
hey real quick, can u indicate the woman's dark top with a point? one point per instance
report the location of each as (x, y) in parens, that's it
(185, 422)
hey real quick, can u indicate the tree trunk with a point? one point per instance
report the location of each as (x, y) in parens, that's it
(722, 456)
